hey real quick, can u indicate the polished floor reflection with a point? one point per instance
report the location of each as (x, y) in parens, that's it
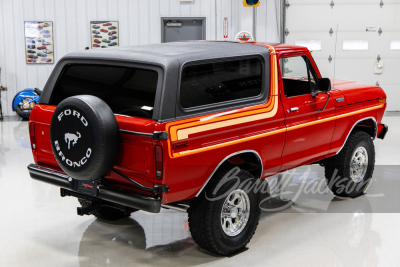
(39, 228)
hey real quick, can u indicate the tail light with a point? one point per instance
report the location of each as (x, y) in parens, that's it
(32, 136)
(158, 161)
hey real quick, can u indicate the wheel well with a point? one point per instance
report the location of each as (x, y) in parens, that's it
(248, 161)
(368, 125)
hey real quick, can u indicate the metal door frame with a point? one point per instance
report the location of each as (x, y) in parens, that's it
(203, 25)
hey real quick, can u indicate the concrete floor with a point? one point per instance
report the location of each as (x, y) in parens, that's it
(39, 228)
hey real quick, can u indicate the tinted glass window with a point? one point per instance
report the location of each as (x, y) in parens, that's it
(128, 91)
(297, 76)
(213, 83)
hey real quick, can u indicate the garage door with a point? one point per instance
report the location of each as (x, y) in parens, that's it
(359, 23)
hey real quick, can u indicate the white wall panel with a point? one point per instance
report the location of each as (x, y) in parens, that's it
(123, 18)
(20, 44)
(83, 34)
(155, 28)
(268, 20)
(139, 23)
(312, 19)
(9, 39)
(339, 2)
(392, 92)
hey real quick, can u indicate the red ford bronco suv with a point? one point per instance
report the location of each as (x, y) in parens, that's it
(180, 125)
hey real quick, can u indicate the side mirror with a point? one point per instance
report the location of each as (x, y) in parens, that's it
(324, 84)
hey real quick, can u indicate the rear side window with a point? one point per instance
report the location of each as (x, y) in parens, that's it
(127, 91)
(213, 83)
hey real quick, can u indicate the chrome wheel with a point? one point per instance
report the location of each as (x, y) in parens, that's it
(235, 212)
(359, 164)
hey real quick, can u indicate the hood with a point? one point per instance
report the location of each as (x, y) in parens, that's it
(356, 92)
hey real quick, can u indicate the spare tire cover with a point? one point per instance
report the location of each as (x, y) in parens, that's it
(84, 137)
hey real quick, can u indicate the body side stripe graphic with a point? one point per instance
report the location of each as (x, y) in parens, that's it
(333, 118)
(187, 152)
(183, 134)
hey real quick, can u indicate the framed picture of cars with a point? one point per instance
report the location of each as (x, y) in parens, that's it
(39, 46)
(104, 34)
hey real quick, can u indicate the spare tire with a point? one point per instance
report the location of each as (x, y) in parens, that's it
(84, 137)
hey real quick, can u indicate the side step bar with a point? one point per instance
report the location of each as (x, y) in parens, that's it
(125, 198)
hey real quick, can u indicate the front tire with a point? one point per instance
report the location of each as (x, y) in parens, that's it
(224, 218)
(349, 173)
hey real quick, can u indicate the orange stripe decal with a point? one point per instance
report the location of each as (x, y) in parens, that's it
(187, 152)
(231, 142)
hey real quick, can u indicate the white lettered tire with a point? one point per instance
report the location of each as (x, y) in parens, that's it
(84, 137)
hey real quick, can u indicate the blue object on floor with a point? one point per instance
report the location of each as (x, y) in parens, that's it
(25, 100)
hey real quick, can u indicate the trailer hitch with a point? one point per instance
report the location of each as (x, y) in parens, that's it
(88, 210)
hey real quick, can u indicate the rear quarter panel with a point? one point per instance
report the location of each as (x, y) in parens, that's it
(136, 152)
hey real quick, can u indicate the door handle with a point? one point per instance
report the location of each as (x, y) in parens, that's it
(294, 109)
(181, 145)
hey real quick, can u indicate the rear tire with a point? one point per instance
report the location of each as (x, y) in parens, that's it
(225, 225)
(105, 213)
(349, 173)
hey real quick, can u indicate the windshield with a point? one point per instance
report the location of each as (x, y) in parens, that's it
(127, 91)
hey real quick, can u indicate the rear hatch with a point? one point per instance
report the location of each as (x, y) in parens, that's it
(130, 93)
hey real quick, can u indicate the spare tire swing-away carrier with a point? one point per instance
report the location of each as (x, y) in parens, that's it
(88, 116)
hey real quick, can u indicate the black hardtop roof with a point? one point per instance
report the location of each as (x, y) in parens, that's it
(162, 54)
(170, 57)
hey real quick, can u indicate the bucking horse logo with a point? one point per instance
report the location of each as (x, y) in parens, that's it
(72, 137)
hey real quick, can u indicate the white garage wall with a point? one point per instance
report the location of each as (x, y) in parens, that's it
(312, 19)
(139, 23)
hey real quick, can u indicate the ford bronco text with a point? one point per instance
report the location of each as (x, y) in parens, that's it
(165, 125)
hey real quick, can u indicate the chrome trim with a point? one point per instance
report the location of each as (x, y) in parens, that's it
(355, 124)
(227, 157)
(49, 171)
(175, 207)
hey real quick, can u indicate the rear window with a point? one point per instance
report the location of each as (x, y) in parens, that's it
(213, 83)
(127, 91)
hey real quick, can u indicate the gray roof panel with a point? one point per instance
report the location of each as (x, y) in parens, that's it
(161, 54)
